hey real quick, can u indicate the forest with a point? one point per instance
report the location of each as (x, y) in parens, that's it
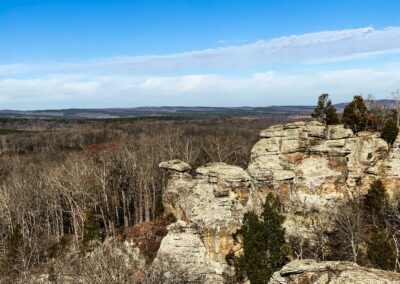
(66, 182)
(69, 185)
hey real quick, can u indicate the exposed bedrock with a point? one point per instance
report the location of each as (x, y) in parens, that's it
(331, 272)
(312, 168)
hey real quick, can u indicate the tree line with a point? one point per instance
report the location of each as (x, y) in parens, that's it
(360, 115)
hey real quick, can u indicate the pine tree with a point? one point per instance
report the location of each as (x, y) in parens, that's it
(390, 131)
(355, 114)
(376, 199)
(91, 230)
(381, 251)
(15, 243)
(325, 112)
(264, 249)
(159, 207)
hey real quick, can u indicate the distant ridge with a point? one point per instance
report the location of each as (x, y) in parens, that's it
(198, 111)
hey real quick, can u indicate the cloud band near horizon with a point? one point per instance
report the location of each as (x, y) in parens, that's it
(204, 76)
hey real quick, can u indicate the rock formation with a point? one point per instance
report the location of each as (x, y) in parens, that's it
(331, 272)
(312, 168)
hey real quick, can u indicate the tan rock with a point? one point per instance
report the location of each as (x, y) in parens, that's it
(175, 165)
(338, 132)
(183, 256)
(393, 160)
(313, 168)
(331, 272)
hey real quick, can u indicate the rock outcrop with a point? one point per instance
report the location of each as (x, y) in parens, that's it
(312, 168)
(209, 208)
(331, 272)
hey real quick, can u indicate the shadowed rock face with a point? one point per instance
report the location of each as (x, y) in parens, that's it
(331, 272)
(312, 168)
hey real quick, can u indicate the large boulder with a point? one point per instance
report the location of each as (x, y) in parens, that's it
(315, 169)
(209, 208)
(331, 272)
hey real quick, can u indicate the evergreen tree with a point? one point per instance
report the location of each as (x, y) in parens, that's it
(390, 131)
(381, 251)
(355, 115)
(91, 230)
(15, 243)
(325, 112)
(376, 199)
(159, 207)
(264, 249)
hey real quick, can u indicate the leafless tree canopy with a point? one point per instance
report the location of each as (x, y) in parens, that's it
(74, 183)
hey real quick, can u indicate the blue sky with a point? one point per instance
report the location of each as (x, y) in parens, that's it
(61, 54)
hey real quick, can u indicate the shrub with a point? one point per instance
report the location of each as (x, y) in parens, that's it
(381, 251)
(159, 207)
(390, 131)
(376, 199)
(355, 115)
(325, 112)
(264, 249)
(91, 230)
(15, 243)
(148, 236)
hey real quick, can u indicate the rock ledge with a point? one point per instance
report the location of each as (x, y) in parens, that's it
(331, 272)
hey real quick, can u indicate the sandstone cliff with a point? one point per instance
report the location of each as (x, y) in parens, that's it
(331, 272)
(312, 168)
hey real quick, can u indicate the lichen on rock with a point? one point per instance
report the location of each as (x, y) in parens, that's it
(331, 272)
(313, 168)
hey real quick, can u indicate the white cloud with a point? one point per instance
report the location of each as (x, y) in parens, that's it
(134, 81)
(257, 89)
(312, 47)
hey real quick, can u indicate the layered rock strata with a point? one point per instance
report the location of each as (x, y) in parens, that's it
(331, 272)
(314, 169)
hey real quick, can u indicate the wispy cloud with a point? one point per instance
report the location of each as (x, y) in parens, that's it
(313, 47)
(203, 79)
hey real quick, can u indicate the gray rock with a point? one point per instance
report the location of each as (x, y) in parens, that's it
(331, 272)
(175, 165)
(313, 168)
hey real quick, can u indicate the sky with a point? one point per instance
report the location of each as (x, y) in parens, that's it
(98, 53)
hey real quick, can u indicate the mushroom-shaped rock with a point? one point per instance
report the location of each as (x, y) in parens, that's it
(175, 165)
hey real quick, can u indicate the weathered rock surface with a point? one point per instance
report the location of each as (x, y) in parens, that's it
(331, 272)
(175, 165)
(183, 256)
(209, 208)
(314, 169)
(110, 262)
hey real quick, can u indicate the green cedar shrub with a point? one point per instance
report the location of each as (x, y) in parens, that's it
(91, 230)
(381, 251)
(15, 243)
(159, 207)
(390, 131)
(325, 112)
(264, 249)
(355, 115)
(376, 199)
